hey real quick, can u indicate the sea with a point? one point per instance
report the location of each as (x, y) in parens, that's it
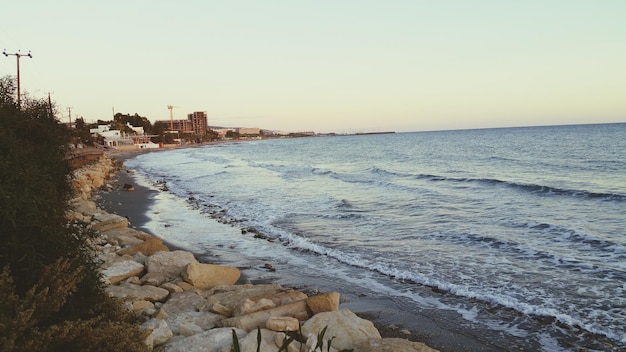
(514, 238)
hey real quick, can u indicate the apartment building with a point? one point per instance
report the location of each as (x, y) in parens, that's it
(199, 122)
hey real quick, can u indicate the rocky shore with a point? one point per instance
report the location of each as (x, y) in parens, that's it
(193, 306)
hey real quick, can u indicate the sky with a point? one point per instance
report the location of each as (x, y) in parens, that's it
(326, 65)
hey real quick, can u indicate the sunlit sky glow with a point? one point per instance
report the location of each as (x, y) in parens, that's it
(326, 66)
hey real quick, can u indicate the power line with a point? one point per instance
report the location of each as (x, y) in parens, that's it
(18, 55)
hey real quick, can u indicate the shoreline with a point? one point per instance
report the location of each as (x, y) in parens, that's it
(390, 319)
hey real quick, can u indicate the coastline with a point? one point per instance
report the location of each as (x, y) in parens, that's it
(389, 318)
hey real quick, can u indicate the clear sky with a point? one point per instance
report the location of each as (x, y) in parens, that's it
(326, 65)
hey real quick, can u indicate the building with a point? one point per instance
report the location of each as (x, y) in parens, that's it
(119, 140)
(199, 122)
(195, 123)
(245, 131)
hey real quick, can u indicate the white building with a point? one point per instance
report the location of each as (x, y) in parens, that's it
(100, 129)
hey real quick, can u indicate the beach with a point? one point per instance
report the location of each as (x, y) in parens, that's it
(388, 315)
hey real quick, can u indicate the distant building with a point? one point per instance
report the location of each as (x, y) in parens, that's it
(198, 122)
(244, 131)
(221, 132)
(138, 130)
(100, 129)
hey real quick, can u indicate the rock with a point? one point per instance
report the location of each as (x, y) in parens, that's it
(312, 342)
(141, 305)
(148, 247)
(183, 302)
(172, 287)
(128, 241)
(161, 314)
(120, 270)
(206, 276)
(220, 309)
(248, 306)
(128, 187)
(185, 286)
(254, 320)
(205, 320)
(189, 329)
(84, 207)
(105, 222)
(116, 233)
(170, 263)
(213, 340)
(233, 295)
(282, 324)
(250, 342)
(154, 279)
(348, 329)
(326, 302)
(287, 296)
(161, 332)
(133, 280)
(140, 258)
(281, 338)
(392, 345)
(134, 292)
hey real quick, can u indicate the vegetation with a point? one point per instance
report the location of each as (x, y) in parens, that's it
(51, 295)
(294, 336)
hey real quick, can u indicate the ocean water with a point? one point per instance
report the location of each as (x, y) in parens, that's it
(517, 235)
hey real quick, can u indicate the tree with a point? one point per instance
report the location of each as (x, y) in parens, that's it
(134, 120)
(232, 134)
(163, 136)
(82, 133)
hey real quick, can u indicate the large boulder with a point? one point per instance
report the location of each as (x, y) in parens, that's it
(135, 292)
(183, 302)
(160, 331)
(154, 279)
(346, 327)
(231, 296)
(250, 343)
(214, 340)
(249, 306)
(147, 247)
(326, 302)
(124, 236)
(104, 222)
(282, 324)
(170, 263)
(120, 270)
(206, 276)
(204, 320)
(254, 320)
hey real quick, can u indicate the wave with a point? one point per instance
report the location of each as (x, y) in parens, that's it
(528, 187)
(499, 298)
(532, 188)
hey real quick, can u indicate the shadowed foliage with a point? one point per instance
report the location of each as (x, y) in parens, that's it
(51, 295)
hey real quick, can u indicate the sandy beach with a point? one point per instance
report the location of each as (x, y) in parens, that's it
(434, 329)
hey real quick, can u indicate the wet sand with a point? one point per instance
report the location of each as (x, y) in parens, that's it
(434, 328)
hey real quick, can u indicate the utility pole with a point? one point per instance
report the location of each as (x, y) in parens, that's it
(69, 111)
(50, 105)
(18, 55)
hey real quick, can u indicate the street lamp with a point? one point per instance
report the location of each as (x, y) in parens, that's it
(18, 55)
